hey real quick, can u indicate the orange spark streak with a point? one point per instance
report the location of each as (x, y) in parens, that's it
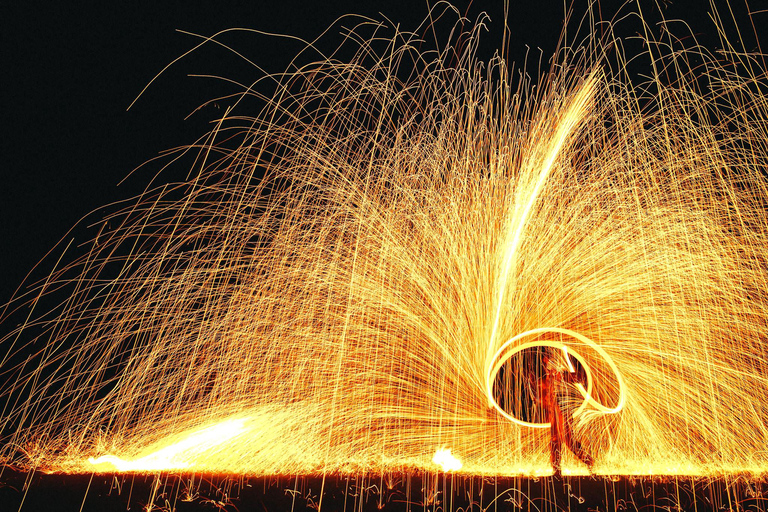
(340, 282)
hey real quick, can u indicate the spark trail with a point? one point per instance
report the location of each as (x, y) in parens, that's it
(356, 277)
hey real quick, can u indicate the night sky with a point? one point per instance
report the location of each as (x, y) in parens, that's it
(69, 74)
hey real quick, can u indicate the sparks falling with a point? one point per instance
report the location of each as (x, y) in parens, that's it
(360, 272)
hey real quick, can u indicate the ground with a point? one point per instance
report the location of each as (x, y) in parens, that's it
(26, 492)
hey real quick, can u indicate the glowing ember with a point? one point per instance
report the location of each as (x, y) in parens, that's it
(446, 460)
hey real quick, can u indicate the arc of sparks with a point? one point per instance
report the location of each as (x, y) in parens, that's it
(346, 278)
(573, 116)
(585, 392)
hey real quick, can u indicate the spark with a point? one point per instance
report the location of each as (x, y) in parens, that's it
(358, 273)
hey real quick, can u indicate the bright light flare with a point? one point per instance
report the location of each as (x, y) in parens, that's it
(183, 454)
(446, 460)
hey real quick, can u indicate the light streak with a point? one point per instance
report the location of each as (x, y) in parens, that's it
(182, 454)
(574, 112)
(512, 347)
(340, 282)
(568, 359)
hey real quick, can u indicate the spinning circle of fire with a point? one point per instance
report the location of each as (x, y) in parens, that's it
(508, 350)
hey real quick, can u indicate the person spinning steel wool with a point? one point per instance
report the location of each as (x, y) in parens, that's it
(555, 386)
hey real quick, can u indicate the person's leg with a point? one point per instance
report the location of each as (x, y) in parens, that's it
(556, 446)
(576, 447)
(555, 450)
(582, 454)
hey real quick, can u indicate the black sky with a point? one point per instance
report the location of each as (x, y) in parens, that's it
(69, 72)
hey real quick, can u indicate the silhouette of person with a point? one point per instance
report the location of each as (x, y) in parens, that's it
(553, 394)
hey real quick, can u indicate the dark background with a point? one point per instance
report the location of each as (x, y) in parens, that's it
(378, 493)
(70, 71)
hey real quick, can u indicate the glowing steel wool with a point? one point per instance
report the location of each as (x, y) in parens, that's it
(446, 460)
(571, 368)
(371, 265)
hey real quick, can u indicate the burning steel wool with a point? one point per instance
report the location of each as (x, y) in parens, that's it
(363, 276)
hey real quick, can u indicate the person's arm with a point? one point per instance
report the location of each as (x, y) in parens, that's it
(575, 378)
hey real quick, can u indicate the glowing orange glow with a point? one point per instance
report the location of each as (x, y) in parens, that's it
(183, 454)
(446, 460)
(357, 274)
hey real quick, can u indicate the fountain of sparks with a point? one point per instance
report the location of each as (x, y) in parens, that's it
(342, 289)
